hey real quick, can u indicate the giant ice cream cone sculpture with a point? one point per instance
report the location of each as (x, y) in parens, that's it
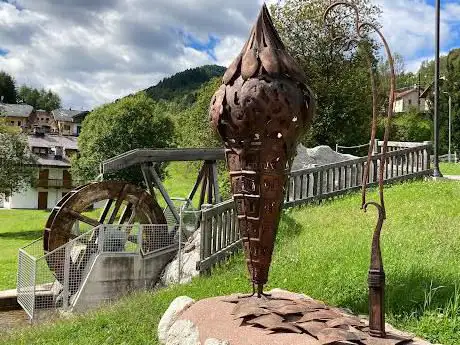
(260, 111)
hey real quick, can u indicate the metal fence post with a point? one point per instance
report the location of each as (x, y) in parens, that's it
(34, 282)
(65, 291)
(179, 254)
(101, 239)
(139, 238)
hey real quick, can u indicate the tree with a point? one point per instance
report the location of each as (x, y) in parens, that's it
(130, 123)
(340, 80)
(16, 160)
(7, 88)
(193, 128)
(452, 87)
(39, 99)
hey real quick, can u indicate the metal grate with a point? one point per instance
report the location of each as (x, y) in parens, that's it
(42, 291)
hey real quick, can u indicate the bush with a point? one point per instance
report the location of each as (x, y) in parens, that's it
(410, 126)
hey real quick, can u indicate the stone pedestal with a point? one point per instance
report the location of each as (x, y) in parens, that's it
(283, 319)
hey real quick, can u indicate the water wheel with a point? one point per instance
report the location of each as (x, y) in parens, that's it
(125, 204)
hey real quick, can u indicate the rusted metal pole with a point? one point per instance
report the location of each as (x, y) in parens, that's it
(376, 274)
(376, 280)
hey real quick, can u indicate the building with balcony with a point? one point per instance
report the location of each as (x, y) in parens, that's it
(16, 114)
(53, 178)
(68, 121)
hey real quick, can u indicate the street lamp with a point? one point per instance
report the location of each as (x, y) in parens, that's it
(436, 170)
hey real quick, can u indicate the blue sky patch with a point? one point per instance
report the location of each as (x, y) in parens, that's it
(207, 46)
(3, 51)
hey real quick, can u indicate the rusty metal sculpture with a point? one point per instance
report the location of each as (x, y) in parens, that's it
(376, 275)
(260, 111)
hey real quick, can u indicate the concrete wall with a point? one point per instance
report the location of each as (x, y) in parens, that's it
(113, 275)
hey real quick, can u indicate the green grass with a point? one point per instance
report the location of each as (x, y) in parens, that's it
(322, 251)
(17, 228)
(180, 179)
(450, 168)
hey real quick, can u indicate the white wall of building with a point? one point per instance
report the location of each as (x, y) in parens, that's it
(28, 198)
(409, 101)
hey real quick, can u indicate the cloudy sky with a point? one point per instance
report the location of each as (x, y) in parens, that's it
(94, 51)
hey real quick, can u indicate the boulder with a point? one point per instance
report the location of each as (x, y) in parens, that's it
(176, 308)
(189, 257)
(320, 155)
(183, 332)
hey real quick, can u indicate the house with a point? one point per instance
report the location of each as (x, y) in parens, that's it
(68, 122)
(53, 178)
(42, 121)
(16, 114)
(409, 98)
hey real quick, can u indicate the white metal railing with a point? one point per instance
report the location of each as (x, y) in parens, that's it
(47, 282)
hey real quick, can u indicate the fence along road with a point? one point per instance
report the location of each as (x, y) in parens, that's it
(405, 161)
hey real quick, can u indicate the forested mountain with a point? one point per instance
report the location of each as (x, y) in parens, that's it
(184, 84)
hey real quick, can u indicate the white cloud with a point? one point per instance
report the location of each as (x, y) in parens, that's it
(92, 52)
(409, 26)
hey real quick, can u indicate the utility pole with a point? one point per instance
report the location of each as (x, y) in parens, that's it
(419, 92)
(436, 170)
(450, 126)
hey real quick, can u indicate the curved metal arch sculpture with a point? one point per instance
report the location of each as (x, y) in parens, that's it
(376, 274)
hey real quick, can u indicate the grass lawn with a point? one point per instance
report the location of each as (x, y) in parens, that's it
(450, 168)
(17, 228)
(322, 251)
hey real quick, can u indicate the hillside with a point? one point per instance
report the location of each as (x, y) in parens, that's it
(322, 251)
(183, 84)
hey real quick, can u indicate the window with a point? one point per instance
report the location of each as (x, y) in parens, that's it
(410, 102)
(67, 127)
(19, 123)
(12, 123)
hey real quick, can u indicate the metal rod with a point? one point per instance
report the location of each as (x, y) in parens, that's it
(436, 170)
(450, 127)
(179, 254)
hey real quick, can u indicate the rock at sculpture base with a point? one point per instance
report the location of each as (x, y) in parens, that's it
(276, 321)
(170, 317)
